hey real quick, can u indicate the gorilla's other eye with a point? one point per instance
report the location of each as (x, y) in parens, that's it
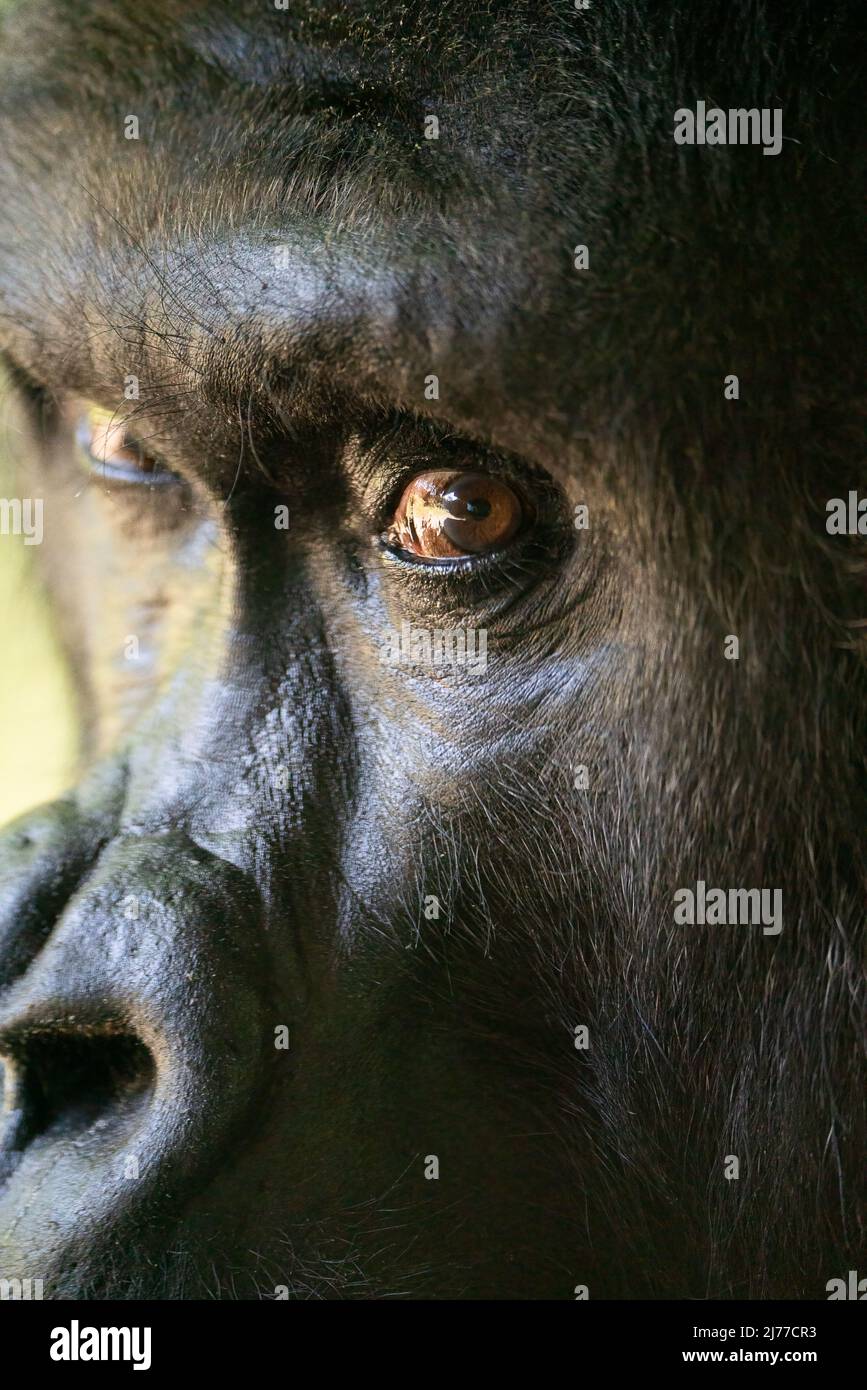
(114, 454)
(445, 513)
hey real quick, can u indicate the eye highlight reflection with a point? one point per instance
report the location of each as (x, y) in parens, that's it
(445, 514)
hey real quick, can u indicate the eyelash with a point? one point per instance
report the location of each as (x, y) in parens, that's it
(453, 565)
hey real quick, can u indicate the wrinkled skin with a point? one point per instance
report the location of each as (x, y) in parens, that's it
(280, 805)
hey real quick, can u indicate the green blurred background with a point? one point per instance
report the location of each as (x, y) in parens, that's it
(37, 724)
(37, 728)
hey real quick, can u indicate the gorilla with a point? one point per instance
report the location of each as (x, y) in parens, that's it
(462, 891)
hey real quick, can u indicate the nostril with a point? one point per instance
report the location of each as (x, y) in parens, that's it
(61, 1085)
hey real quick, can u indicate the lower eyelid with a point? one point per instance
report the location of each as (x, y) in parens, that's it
(131, 477)
(458, 564)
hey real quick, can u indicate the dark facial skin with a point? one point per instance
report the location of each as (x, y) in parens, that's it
(274, 827)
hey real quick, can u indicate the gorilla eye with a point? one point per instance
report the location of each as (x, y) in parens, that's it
(444, 514)
(114, 454)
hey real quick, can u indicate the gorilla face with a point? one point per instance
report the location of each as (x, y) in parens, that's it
(440, 613)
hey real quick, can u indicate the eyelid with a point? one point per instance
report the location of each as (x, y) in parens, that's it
(381, 462)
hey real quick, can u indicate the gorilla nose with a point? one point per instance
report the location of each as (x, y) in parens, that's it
(135, 1040)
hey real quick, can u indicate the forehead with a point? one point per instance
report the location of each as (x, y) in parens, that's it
(286, 205)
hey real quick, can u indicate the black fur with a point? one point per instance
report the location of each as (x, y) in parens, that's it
(303, 381)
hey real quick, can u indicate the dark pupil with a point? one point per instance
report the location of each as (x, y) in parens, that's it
(478, 507)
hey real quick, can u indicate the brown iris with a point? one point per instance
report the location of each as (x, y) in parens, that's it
(445, 513)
